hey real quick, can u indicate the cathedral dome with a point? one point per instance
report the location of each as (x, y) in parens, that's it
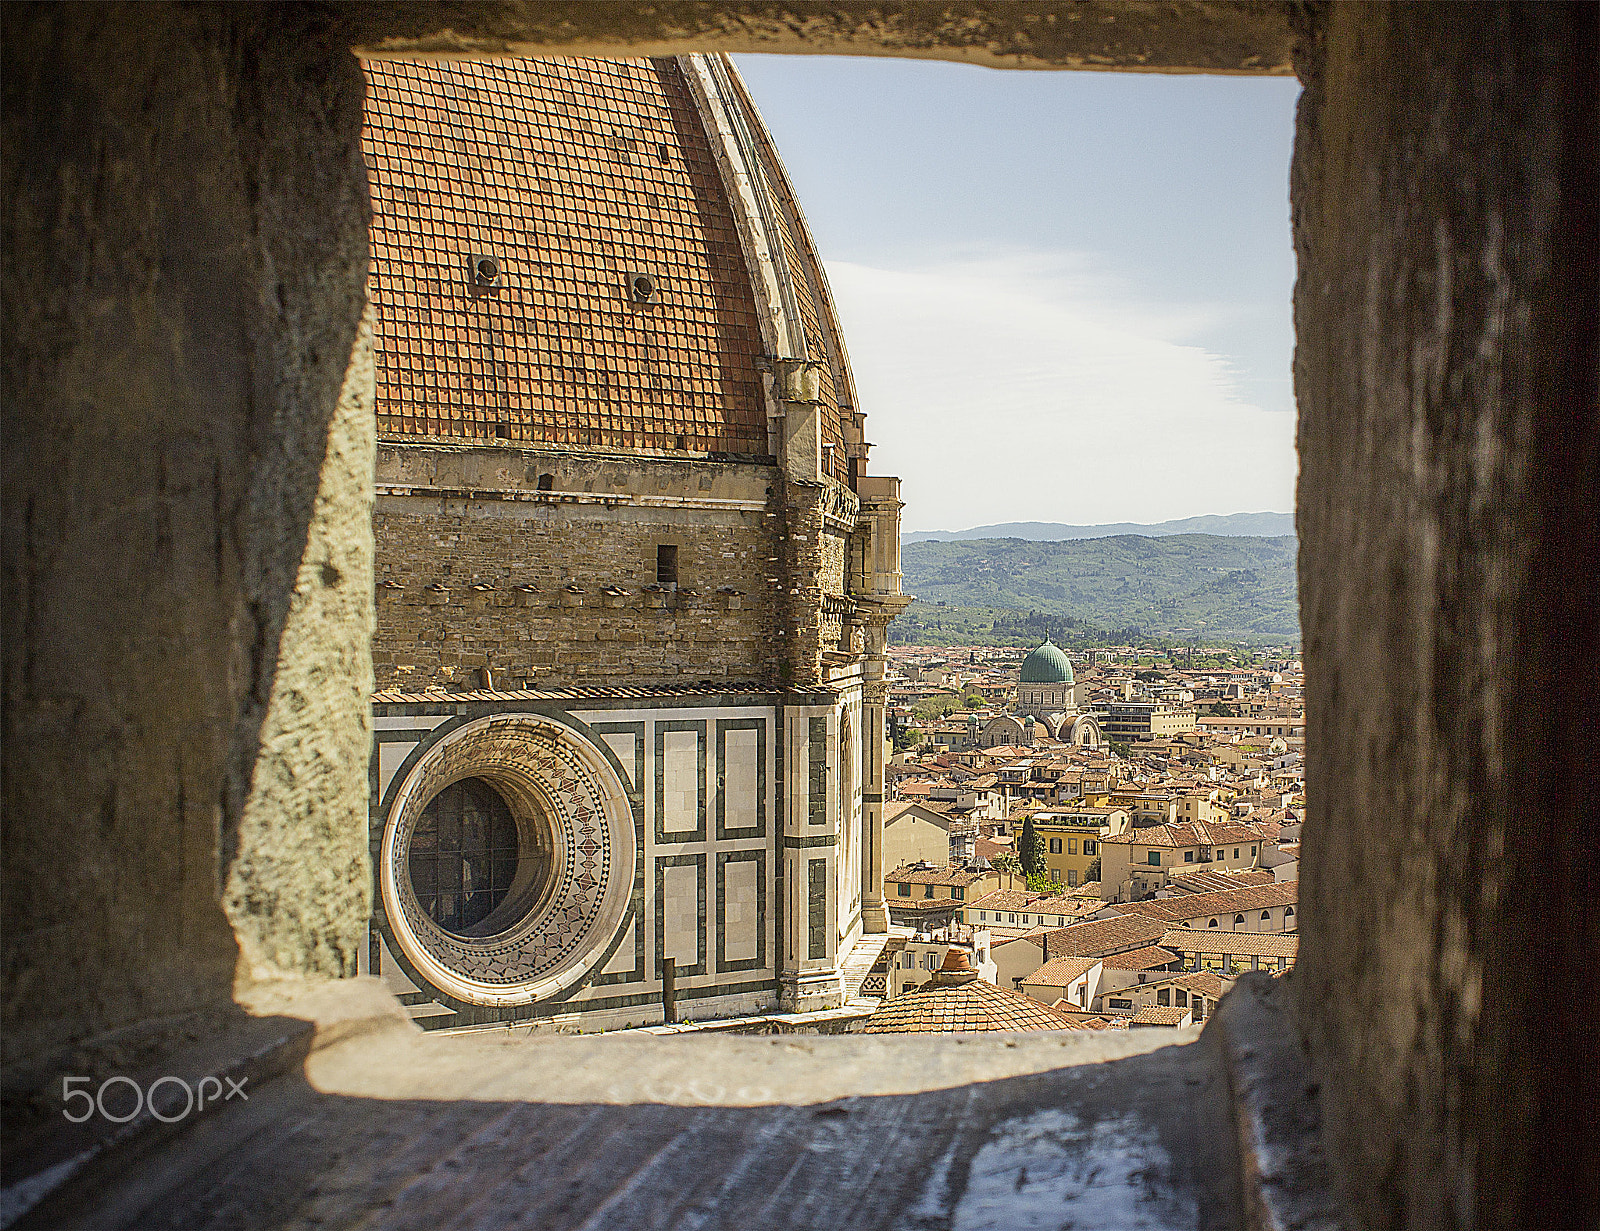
(1047, 665)
(591, 255)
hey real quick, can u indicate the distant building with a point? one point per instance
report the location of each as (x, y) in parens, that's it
(1005, 730)
(1126, 721)
(1047, 694)
(1047, 683)
(927, 895)
(913, 834)
(908, 964)
(1071, 839)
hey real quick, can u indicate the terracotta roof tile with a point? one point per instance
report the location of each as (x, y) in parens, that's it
(1152, 957)
(571, 174)
(1060, 971)
(1225, 902)
(954, 875)
(1103, 936)
(1240, 944)
(1208, 880)
(1159, 1015)
(939, 1008)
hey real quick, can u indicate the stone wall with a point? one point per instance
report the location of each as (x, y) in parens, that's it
(1445, 222)
(186, 469)
(480, 567)
(818, 521)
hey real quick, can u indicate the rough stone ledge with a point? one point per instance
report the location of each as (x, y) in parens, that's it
(703, 1068)
(1285, 1176)
(282, 1025)
(987, 1131)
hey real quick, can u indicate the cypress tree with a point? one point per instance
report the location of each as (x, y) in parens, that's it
(1028, 849)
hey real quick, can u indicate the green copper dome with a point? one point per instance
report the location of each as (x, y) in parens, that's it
(1047, 665)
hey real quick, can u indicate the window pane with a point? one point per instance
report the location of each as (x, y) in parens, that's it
(464, 854)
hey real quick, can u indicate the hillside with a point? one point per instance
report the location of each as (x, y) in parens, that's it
(1210, 587)
(1253, 525)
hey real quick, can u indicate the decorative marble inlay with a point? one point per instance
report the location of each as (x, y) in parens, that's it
(565, 924)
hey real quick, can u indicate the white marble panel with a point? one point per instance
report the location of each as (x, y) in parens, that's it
(416, 722)
(740, 785)
(680, 908)
(743, 918)
(390, 757)
(680, 799)
(622, 960)
(624, 744)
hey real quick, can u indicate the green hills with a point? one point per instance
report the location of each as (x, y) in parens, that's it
(1181, 587)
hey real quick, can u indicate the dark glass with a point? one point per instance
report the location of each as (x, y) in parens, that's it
(463, 854)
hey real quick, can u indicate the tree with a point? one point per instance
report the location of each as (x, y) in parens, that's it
(973, 702)
(1006, 861)
(1121, 750)
(1030, 849)
(1093, 871)
(1045, 882)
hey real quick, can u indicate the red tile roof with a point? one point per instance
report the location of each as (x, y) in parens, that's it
(952, 875)
(1060, 971)
(941, 1008)
(1103, 936)
(1152, 957)
(1238, 944)
(1208, 880)
(1244, 899)
(1159, 1015)
(1197, 833)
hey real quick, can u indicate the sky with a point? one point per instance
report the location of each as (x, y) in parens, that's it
(1066, 296)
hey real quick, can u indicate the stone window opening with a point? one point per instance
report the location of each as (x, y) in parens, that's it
(667, 565)
(1386, 80)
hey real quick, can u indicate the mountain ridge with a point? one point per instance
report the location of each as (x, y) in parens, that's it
(1224, 525)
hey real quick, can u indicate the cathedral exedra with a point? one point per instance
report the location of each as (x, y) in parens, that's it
(633, 576)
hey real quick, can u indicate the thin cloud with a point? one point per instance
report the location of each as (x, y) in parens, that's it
(1022, 386)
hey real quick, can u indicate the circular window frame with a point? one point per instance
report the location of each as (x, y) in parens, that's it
(563, 935)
